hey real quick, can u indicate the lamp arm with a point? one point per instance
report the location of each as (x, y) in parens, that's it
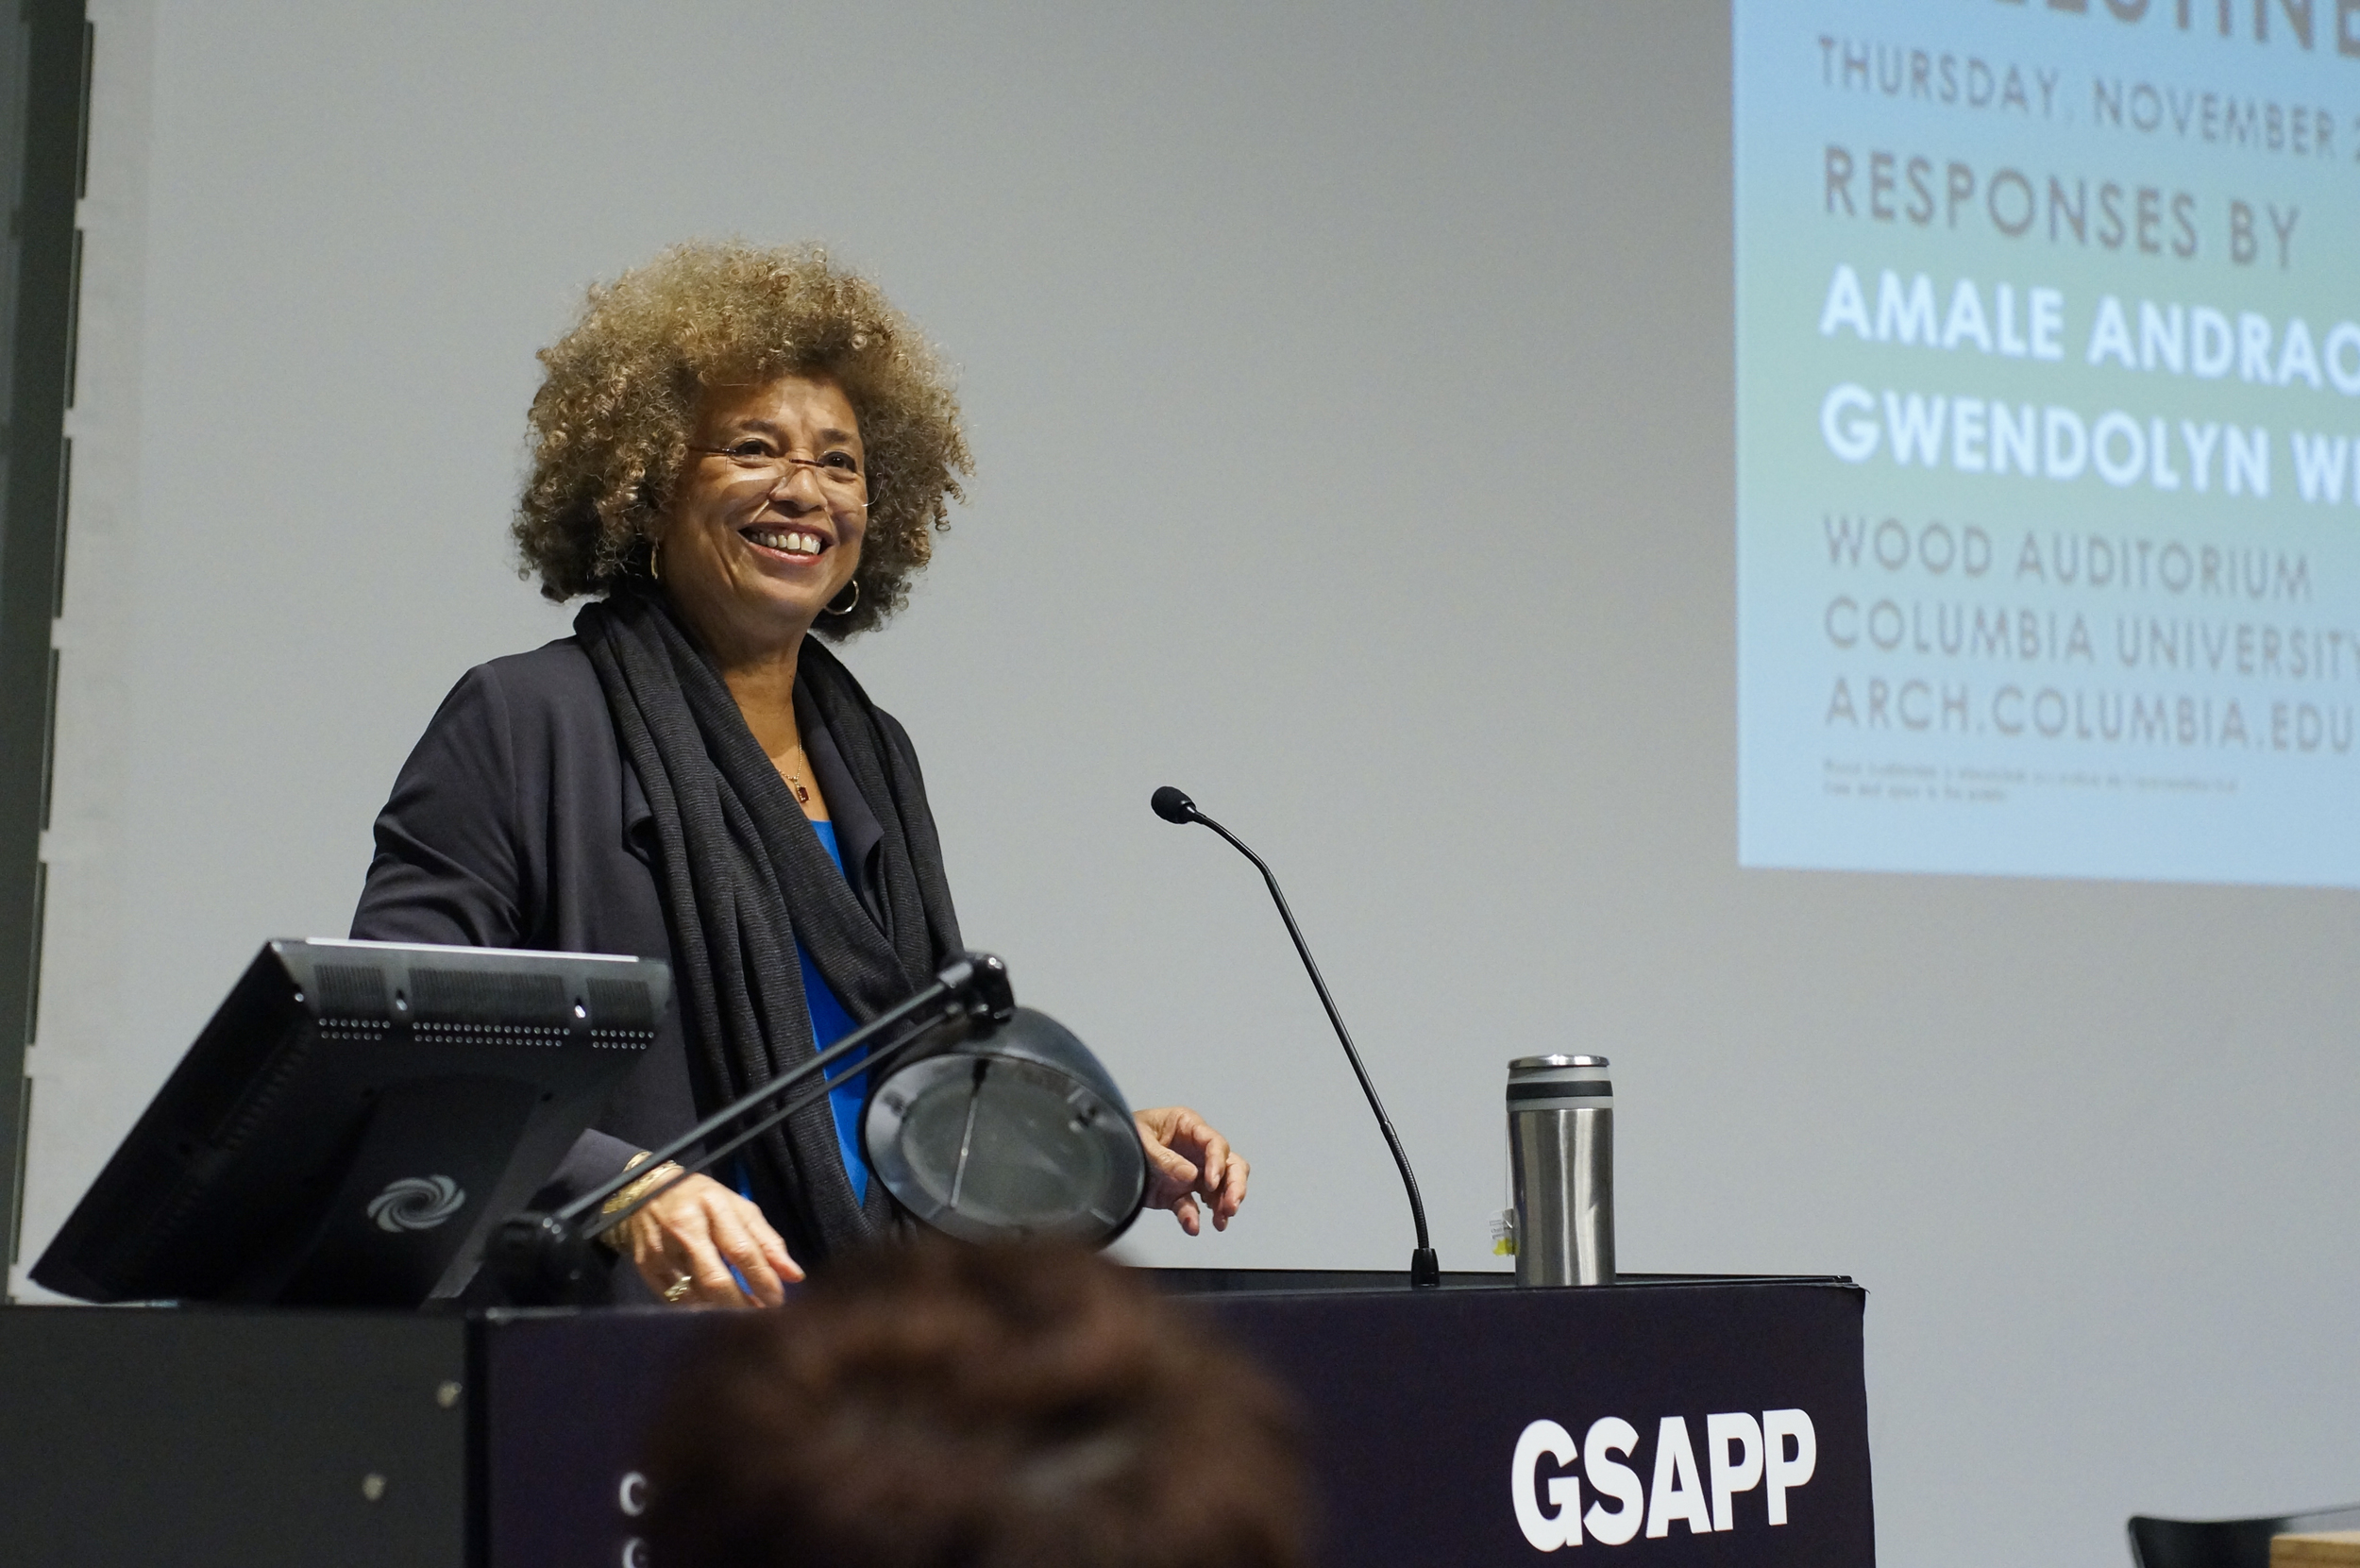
(543, 1254)
(812, 1094)
(935, 994)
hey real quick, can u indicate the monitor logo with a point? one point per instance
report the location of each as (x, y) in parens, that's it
(416, 1203)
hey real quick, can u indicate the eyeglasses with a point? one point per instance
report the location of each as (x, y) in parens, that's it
(838, 473)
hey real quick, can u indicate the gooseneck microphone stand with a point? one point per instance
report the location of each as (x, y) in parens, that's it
(1425, 1268)
(544, 1259)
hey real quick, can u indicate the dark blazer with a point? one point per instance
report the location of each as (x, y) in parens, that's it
(517, 823)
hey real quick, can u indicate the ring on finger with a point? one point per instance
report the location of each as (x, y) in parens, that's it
(678, 1288)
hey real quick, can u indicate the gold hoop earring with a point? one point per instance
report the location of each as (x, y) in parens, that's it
(830, 608)
(655, 560)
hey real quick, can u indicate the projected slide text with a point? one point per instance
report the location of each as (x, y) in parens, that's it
(2049, 437)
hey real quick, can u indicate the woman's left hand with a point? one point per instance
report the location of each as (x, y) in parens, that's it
(1187, 1159)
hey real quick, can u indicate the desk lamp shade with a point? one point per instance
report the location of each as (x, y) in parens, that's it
(1015, 1132)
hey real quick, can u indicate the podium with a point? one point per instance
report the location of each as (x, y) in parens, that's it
(509, 1439)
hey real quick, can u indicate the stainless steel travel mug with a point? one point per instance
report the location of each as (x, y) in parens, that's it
(1561, 1149)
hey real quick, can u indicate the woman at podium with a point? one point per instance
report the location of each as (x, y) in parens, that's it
(739, 455)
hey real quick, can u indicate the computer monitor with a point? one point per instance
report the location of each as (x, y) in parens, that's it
(354, 1121)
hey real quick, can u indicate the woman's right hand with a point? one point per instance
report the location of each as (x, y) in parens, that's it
(697, 1230)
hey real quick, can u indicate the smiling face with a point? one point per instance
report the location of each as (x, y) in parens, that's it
(753, 544)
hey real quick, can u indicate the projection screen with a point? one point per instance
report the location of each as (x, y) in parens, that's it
(2046, 467)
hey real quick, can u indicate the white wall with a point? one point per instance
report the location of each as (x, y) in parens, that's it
(1352, 394)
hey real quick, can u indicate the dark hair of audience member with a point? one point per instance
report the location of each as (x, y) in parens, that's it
(936, 1405)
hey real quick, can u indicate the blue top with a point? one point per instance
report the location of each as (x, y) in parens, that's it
(847, 1086)
(830, 1024)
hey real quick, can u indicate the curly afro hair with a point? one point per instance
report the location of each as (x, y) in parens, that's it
(610, 424)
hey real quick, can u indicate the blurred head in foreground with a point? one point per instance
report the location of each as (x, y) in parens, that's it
(941, 1404)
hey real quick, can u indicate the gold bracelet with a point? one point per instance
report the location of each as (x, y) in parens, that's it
(629, 1195)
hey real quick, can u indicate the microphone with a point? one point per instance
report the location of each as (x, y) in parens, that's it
(1425, 1270)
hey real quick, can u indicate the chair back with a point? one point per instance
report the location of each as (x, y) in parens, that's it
(2225, 1543)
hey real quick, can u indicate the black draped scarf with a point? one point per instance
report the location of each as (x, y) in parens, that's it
(743, 878)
